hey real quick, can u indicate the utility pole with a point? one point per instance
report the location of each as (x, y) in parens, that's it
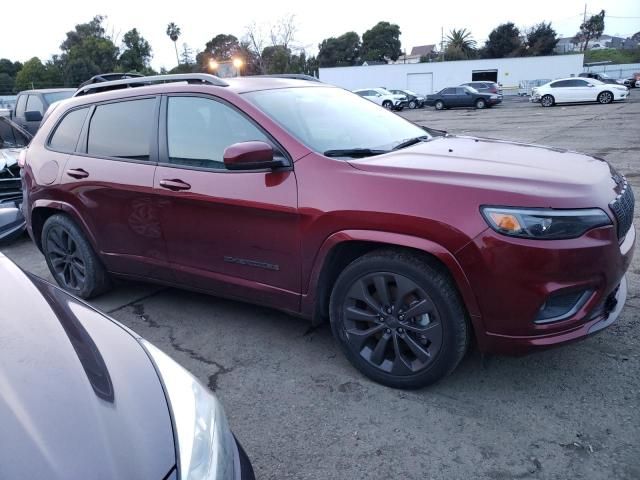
(584, 20)
(442, 44)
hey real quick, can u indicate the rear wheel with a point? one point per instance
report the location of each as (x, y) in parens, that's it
(439, 105)
(387, 104)
(547, 101)
(398, 319)
(71, 260)
(605, 97)
(480, 103)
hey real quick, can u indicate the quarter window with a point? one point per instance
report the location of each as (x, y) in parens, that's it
(122, 130)
(65, 137)
(20, 106)
(199, 130)
(34, 104)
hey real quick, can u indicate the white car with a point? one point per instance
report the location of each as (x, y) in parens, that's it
(574, 89)
(383, 97)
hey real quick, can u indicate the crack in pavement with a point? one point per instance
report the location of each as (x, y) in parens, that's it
(138, 310)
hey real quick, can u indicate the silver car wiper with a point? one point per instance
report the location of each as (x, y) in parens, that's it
(354, 152)
(411, 141)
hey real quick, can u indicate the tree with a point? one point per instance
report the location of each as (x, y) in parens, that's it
(136, 54)
(462, 41)
(281, 34)
(87, 51)
(276, 59)
(8, 72)
(32, 75)
(382, 42)
(186, 56)
(635, 36)
(7, 83)
(220, 48)
(590, 29)
(341, 51)
(541, 40)
(173, 32)
(504, 41)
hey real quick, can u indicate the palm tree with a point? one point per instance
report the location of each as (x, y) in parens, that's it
(173, 31)
(461, 41)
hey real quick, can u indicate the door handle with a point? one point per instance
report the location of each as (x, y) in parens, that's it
(77, 173)
(174, 185)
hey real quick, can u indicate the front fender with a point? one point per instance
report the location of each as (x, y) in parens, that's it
(309, 300)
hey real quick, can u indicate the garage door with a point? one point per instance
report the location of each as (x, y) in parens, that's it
(420, 82)
(484, 76)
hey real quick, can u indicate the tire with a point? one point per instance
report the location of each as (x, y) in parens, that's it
(397, 351)
(387, 104)
(547, 101)
(71, 260)
(413, 105)
(480, 104)
(439, 105)
(605, 97)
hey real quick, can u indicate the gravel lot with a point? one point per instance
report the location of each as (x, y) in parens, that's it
(302, 412)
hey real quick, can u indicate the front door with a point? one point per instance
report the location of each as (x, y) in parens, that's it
(229, 232)
(110, 177)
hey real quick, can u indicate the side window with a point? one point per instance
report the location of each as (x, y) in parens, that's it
(21, 105)
(561, 84)
(580, 83)
(34, 104)
(448, 91)
(65, 136)
(200, 129)
(122, 130)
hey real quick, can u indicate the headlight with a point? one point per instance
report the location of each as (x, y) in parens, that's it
(494, 97)
(206, 447)
(544, 224)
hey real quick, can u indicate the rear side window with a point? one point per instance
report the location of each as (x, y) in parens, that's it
(122, 130)
(20, 106)
(561, 83)
(449, 91)
(34, 104)
(65, 137)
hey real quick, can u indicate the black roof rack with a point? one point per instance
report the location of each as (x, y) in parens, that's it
(197, 78)
(294, 76)
(109, 77)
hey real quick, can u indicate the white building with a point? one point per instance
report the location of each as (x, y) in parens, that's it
(432, 77)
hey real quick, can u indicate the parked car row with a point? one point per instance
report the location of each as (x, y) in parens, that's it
(578, 90)
(463, 96)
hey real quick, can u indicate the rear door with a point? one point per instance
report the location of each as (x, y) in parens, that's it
(109, 182)
(229, 232)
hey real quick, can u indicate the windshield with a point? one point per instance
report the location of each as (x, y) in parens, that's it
(328, 118)
(57, 96)
(410, 92)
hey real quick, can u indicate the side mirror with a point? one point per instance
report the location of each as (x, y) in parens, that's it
(33, 116)
(252, 155)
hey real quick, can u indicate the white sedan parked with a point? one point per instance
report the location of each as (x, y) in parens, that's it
(573, 90)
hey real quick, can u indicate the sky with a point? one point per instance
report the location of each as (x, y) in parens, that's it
(39, 29)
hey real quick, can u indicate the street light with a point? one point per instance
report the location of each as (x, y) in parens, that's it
(213, 65)
(237, 63)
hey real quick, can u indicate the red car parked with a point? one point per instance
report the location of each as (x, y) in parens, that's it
(307, 198)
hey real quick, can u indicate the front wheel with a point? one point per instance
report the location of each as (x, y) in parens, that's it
(387, 104)
(398, 319)
(439, 105)
(547, 101)
(605, 97)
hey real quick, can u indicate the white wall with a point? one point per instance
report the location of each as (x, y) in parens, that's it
(444, 74)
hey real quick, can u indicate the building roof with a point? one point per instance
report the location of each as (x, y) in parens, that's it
(423, 50)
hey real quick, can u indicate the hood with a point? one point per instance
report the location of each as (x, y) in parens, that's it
(80, 397)
(502, 171)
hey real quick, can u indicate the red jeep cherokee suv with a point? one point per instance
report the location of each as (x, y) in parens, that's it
(307, 198)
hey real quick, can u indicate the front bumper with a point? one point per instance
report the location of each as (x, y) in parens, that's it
(512, 280)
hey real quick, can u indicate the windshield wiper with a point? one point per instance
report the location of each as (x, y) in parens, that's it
(411, 141)
(354, 152)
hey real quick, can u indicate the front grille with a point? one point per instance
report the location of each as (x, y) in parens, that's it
(622, 208)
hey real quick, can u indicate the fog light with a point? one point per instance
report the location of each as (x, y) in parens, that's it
(562, 305)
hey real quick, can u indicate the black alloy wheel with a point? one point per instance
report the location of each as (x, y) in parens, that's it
(68, 264)
(71, 259)
(399, 319)
(392, 323)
